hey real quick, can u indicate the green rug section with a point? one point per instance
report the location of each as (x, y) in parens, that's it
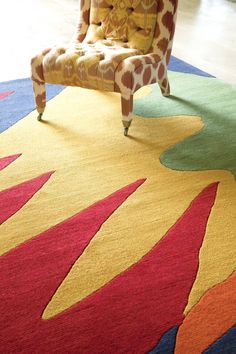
(214, 146)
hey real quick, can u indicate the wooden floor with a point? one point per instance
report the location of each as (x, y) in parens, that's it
(205, 34)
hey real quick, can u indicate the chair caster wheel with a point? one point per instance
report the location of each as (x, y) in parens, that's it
(126, 131)
(40, 117)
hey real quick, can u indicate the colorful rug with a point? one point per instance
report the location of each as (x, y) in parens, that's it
(112, 244)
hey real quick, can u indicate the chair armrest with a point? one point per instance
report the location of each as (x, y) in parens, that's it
(137, 71)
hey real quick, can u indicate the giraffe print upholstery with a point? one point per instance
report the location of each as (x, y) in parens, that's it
(119, 45)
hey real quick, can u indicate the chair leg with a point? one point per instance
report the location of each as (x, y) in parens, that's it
(38, 85)
(163, 81)
(40, 98)
(165, 87)
(127, 110)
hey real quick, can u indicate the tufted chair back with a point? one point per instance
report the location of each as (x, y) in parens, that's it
(145, 25)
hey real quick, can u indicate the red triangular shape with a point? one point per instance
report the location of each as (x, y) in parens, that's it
(5, 161)
(129, 314)
(5, 94)
(14, 198)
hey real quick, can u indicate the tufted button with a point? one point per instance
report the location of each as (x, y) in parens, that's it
(80, 52)
(60, 51)
(111, 7)
(101, 56)
(99, 23)
(130, 10)
(139, 28)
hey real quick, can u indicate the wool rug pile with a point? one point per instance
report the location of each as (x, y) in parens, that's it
(119, 245)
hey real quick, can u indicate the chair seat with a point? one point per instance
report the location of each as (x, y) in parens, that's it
(86, 65)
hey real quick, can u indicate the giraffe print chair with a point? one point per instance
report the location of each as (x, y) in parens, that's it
(119, 46)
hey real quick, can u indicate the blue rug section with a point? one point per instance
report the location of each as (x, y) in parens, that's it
(225, 345)
(167, 343)
(20, 103)
(183, 67)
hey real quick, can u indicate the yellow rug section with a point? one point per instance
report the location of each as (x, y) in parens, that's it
(82, 140)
